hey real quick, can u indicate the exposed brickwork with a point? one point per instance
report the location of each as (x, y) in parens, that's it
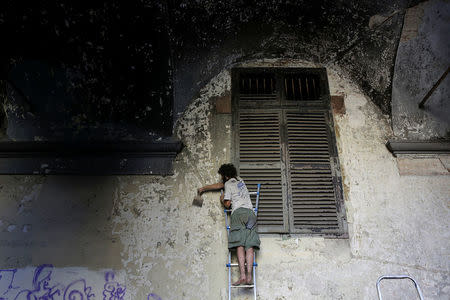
(223, 104)
(337, 104)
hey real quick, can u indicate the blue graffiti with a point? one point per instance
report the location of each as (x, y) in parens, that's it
(44, 288)
(112, 290)
(40, 286)
(153, 296)
(6, 282)
(78, 290)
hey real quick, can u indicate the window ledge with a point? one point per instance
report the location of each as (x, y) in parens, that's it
(419, 147)
(95, 158)
(421, 158)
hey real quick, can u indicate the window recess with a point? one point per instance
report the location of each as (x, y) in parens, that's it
(283, 138)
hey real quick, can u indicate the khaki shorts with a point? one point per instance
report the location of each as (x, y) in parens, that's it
(240, 235)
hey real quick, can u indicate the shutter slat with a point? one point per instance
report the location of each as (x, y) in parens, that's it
(312, 172)
(299, 146)
(308, 154)
(325, 219)
(313, 189)
(308, 143)
(311, 205)
(312, 195)
(308, 180)
(310, 139)
(264, 135)
(317, 210)
(257, 150)
(322, 201)
(258, 97)
(323, 160)
(319, 225)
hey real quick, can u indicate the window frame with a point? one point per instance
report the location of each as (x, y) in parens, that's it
(281, 105)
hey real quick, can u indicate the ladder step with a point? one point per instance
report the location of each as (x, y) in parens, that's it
(242, 286)
(236, 265)
(229, 210)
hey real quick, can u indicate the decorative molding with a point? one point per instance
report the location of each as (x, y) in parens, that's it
(418, 147)
(96, 158)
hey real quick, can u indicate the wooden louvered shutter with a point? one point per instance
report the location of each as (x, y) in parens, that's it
(260, 162)
(284, 139)
(312, 174)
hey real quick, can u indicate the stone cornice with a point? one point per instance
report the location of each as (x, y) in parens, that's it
(93, 158)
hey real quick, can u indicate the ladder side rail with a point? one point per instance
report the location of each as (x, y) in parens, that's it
(254, 252)
(229, 257)
(229, 254)
(419, 291)
(254, 274)
(257, 198)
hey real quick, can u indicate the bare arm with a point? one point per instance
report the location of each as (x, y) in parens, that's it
(211, 187)
(226, 203)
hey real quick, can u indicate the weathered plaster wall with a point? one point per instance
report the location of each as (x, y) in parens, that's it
(423, 56)
(145, 229)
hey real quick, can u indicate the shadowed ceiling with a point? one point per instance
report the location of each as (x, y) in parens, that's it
(127, 69)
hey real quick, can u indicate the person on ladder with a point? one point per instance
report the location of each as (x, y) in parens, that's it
(243, 228)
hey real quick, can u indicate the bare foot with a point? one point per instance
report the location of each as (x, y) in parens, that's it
(249, 280)
(239, 282)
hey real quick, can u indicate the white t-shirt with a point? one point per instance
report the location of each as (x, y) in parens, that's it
(236, 191)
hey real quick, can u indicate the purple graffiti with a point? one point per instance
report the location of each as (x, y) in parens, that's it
(153, 296)
(6, 282)
(112, 290)
(78, 290)
(40, 287)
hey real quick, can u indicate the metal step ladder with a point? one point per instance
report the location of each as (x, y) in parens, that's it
(229, 264)
(419, 291)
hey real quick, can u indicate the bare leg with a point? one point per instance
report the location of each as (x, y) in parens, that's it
(249, 258)
(241, 261)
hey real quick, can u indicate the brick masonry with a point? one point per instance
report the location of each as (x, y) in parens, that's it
(337, 104)
(223, 104)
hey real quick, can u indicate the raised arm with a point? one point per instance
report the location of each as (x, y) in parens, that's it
(211, 187)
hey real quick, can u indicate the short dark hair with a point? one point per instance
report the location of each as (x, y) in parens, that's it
(228, 170)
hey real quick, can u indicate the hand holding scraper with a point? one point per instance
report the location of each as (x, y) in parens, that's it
(198, 200)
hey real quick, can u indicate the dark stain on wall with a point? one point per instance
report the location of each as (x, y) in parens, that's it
(126, 70)
(224, 33)
(87, 70)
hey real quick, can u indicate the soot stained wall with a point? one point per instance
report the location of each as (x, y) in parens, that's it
(360, 36)
(108, 70)
(423, 57)
(86, 71)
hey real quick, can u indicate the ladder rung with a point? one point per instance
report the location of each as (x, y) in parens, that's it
(229, 210)
(235, 265)
(242, 286)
